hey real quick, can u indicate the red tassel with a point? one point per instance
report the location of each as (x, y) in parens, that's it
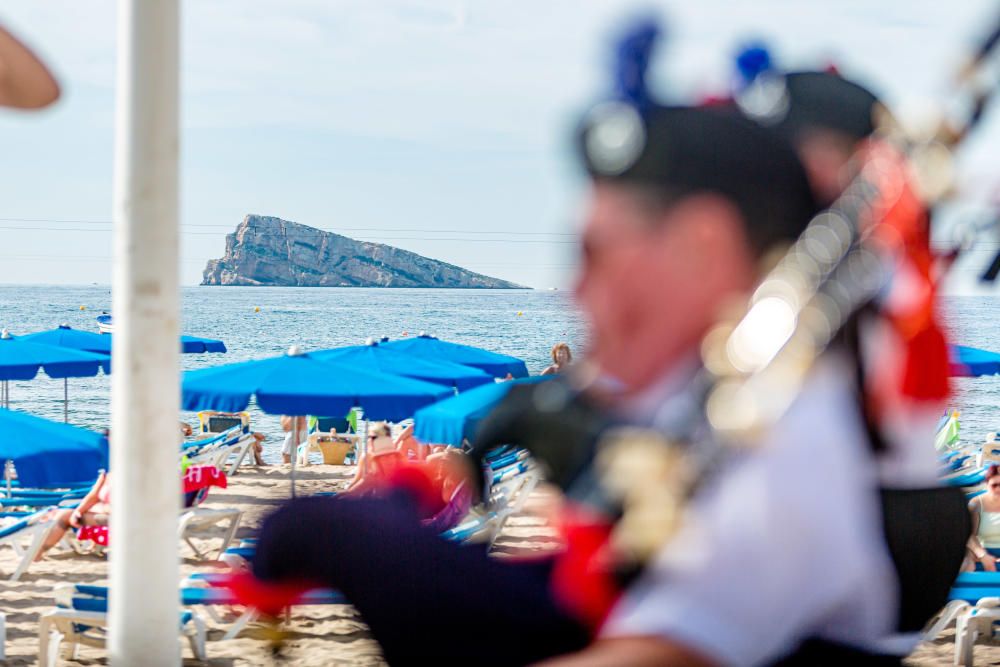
(269, 598)
(416, 480)
(926, 366)
(582, 580)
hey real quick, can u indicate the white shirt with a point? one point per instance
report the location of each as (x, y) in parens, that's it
(289, 444)
(782, 545)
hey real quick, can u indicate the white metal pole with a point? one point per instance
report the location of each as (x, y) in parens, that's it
(66, 400)
(145, 387)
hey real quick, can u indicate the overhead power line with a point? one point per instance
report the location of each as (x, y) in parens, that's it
(202, 260)
(374, 239)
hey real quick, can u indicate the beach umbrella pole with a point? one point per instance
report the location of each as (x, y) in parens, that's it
(363, 436)
(145, 387)
(66, 400)
(295, 450)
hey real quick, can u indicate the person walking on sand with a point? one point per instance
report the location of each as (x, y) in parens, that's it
(296, 431)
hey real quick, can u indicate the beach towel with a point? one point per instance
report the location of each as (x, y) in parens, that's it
(96, 534)
(197, 478)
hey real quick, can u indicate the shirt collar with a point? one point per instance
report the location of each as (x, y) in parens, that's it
(668, 400)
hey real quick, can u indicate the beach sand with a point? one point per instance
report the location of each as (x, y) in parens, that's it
(319, 635)
(941, 652)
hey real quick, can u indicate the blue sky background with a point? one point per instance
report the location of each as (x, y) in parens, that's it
(441, 127)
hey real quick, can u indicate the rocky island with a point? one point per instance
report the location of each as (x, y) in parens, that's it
(268, 251)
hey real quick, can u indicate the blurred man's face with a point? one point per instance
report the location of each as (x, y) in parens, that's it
(651, 280)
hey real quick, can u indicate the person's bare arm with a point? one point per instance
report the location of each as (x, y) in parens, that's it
(974, 545)
(404, 435)
(631, 652)
(25, 83)
(88, 501)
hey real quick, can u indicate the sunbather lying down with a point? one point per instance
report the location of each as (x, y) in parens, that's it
(93, 510)
(91, 517)
(376, 459)
(412, 448)
(385, 453)
(439, 481)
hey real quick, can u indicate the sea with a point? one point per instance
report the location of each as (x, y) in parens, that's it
(257, 322)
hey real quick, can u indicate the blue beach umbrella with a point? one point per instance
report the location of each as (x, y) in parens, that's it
(456, 419)
(428, 347)
(384, 359)
(198, 345)
(69, 338)
(973, 362)
(22, 359)
(66, 336)
(301, 384)
(50, 454)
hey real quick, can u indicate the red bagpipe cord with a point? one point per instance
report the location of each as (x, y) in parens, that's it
(416, 479)
(273, 597)
(270, 598)
(912, 360)
(583, 581)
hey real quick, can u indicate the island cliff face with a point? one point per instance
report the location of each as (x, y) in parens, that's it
(266, 251)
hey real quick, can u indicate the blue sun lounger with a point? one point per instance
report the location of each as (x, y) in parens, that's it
(966, 479)
(196, 591)
(26, 537)
(80, 616)
(218, 449)
(974, 607)
(80, 619)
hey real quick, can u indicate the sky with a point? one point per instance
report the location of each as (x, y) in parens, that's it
(442, 127)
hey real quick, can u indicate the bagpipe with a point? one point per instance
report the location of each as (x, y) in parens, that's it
(868, 251)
